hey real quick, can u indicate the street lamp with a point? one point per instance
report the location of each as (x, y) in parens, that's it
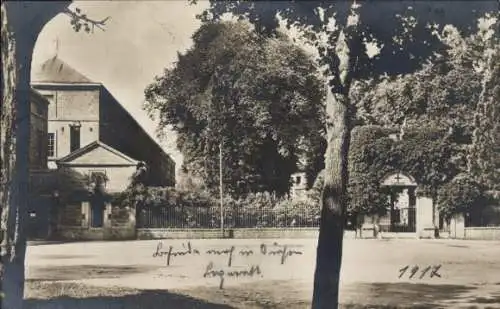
(221, 192)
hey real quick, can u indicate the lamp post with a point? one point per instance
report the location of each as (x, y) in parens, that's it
(221, 192)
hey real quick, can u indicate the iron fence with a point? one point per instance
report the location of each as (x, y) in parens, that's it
(201, 217)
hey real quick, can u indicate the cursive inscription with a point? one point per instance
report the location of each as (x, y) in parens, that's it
(171, 253)
(283, 251)
(229, 252)
(210, 272)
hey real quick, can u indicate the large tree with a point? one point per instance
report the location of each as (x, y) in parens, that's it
(21, 24)
(256, 97)
(352, 41)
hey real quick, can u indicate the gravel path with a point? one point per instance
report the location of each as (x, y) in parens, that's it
(114, 274)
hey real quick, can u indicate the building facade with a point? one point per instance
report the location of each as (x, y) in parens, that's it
(90, 138)
(82, 112)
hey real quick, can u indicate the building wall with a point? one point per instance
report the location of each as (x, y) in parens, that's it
(71, 105)
(120, 131)
(118, 176)
(89, 132)
(298, 189)
(101, 117)
(38, 132)
(72, 102)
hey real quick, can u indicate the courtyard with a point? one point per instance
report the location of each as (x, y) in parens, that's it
(260, 274)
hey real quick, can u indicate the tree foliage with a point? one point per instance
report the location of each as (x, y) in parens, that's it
(256, 97)
(455, 94)
(340, 32)
(461, 195)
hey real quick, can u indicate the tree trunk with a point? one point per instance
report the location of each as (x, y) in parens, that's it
(331, 233)
(21, 24)
(14, 168)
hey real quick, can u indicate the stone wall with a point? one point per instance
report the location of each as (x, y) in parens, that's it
(482, 233)
(119, 223)
(253, 233)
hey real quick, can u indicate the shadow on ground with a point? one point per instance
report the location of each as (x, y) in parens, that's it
(280, 294)
(145, 299)
(70, 295)
(404, 295)
(289, 294)
(71, 272)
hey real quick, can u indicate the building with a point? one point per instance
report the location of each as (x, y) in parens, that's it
(91, 136)
(298, 181)
(40, 200)
(38, 131)
(82, 112)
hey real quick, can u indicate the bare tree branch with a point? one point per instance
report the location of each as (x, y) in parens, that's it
(79, 19)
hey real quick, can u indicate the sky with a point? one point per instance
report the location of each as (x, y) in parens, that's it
(140, 40)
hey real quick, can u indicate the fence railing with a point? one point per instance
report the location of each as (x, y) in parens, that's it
(189, 217)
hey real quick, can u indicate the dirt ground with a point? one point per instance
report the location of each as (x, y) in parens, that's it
(261, 274)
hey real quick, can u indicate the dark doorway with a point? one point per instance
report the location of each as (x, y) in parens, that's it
(74, 138)
(38, 217)
(97, 206)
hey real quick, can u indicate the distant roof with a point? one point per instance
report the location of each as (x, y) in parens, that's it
(54, 70)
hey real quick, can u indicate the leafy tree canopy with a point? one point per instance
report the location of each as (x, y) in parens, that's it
(402, 32)
(258, 98)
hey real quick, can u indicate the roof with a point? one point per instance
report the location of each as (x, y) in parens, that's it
(54, 70)
(106, 156)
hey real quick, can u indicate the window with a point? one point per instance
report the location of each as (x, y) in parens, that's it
(297, 180)
(74, 137)
(51, 149)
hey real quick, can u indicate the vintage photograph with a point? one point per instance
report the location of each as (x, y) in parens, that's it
(250, 154)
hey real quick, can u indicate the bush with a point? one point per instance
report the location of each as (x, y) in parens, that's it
(170, 208)
(461, 195)
(163, 197)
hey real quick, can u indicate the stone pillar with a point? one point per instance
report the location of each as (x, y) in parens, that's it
(367, 228)
(107, 215)
(457, 226)
(132, 221)
(425, 217)
(131, 215)
(85, 214)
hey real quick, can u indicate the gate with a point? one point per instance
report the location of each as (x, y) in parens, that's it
(403, 220)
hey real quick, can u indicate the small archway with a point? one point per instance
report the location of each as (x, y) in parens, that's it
(401, 193)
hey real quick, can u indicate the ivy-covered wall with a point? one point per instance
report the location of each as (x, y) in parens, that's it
(429, 154)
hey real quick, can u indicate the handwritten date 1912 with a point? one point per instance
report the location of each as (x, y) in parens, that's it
(431, 271)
